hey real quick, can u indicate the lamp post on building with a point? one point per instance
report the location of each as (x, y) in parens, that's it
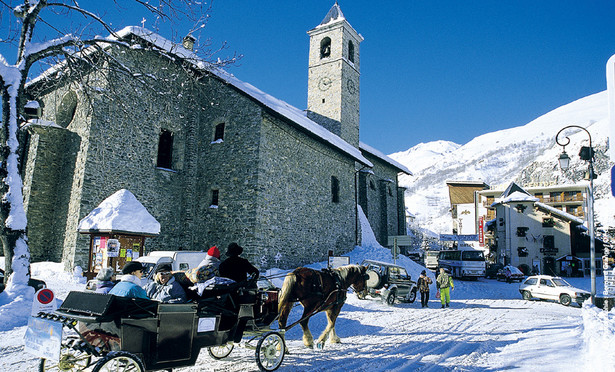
(587, 154)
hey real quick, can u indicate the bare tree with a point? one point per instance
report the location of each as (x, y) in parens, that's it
(69, 42)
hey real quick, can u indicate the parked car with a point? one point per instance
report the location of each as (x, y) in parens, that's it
(491, 270)
(389, 282)
(516, 275)
(34, 283)
(554, 288)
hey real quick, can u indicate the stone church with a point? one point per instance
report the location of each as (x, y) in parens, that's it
(213, 159)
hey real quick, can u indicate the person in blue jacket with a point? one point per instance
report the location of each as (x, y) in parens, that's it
(130, 283)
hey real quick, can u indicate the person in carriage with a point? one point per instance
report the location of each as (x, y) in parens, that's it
(130, 283)
(235, 267)
(165, 288)
(104, 280)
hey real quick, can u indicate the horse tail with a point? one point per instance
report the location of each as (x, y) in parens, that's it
(285, 293)
(285, 300)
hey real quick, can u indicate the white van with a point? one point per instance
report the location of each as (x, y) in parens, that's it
(179, 261)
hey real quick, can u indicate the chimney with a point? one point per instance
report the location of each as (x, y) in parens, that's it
(188, 42)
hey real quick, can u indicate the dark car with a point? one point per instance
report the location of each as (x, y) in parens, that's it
(388, 281)
(510, 273)
(34, 283)
(491, 271)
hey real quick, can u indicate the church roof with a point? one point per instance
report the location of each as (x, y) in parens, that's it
(335, 14)
(295, 115)
(367, 148)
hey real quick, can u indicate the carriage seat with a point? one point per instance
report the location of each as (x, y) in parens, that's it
(90, 307)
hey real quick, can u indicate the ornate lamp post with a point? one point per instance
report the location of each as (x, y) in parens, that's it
(587, 154)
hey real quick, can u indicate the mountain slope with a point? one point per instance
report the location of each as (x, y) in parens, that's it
(525, 154)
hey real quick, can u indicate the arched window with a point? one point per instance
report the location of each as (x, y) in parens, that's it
(165, 149)
(350, 51)
(325, 48)
(335, 189)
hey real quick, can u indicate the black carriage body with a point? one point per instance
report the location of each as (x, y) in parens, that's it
(172, 335)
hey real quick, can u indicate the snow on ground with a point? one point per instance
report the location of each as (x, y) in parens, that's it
(488, 328)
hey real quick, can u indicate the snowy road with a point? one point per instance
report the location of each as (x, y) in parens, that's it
(488, 328)
(472, 335)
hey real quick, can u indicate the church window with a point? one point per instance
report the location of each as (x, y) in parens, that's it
(215, 198)
(219, 132)
(335, 189)
(325, 48)
(165, 149)
(350, 51)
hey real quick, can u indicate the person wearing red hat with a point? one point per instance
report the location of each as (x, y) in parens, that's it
(208, 268)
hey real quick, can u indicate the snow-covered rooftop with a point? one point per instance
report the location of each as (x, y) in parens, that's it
(516, 196)
(120, 212)
(365, 147)
(559, 213)
(295, 115)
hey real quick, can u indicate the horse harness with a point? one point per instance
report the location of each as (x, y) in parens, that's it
(317, 288)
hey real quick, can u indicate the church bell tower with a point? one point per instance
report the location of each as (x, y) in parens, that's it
(333, 80)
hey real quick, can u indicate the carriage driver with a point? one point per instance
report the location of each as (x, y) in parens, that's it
(235, 267)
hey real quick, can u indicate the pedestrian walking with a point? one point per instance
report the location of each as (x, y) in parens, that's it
(423, 283)
(445, 284)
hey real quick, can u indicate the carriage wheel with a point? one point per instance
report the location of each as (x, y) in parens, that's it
(270, 351)
(220, 352)
(119, 361)
(70, 360)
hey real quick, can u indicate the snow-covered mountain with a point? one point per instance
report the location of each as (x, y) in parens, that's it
(526, 154)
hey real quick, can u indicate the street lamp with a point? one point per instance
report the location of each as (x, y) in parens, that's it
(587, 154)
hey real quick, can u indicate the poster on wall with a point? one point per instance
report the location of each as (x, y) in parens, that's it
(103, 249)
(113, 248)
(128, 255)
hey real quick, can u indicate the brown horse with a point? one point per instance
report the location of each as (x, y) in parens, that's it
(317, 291)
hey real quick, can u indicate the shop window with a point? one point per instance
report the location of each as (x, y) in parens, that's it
(335, 189)
(165, 149)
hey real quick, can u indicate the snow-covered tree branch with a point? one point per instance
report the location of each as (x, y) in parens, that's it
(71, 41)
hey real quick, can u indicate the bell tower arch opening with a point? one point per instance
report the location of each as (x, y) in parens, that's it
(334, 76)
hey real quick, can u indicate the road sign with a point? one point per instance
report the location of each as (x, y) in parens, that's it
(44, 301)
(458, 238)
(401, 240)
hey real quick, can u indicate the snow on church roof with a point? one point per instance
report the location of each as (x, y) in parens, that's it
(120, 212)
(335, 14)
(290, 112)
(381, 156)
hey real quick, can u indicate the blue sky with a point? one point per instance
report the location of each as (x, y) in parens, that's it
(430, 70)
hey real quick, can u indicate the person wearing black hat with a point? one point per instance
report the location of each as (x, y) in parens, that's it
(130, 283)
(165, 288)
(235, 267)
(423, 283)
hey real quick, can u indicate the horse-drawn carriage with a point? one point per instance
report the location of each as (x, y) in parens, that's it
(109, 333)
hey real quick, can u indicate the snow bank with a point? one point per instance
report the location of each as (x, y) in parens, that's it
(598, 338)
